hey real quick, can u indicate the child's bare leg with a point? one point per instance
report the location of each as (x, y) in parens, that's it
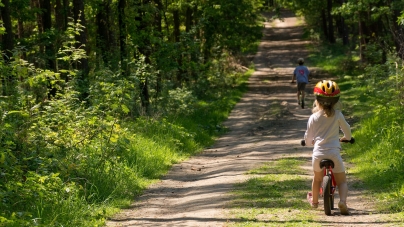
(340, 178)
(316, 184)
(298, 95)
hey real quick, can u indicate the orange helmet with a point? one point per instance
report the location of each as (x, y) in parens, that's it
(327, 91)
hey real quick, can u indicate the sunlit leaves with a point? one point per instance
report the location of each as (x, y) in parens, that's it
(69, 52)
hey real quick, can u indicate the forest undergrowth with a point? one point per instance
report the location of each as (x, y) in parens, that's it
(69, 162)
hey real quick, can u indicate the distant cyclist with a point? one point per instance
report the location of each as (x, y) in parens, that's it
(323, 132)
(301, 74)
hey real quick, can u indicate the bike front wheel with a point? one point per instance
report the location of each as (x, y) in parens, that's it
(327, 194)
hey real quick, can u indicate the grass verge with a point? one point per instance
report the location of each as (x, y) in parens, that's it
(274, 195)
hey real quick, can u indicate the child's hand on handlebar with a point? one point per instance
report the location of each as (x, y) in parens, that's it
(343, 139)
(303, 142)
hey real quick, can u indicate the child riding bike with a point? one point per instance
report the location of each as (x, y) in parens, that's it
(323, 132)
(301, 74)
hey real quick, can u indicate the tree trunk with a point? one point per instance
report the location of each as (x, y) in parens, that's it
(7, 44)
(397, 34)
(343, 29)
(331, 37)
(59, 16)
(103, 41)
(46, 14)
(122, 31)
(189, 58)
(20, 29)
(144, 94)
(166, 21)
(344, 32)
(78, 10)
(361, 41)
(176, 16)
(47, 26)
(36, 4)
(66, 12)
(8, 37)
(158, 16)
(145, 51)
(157, 23)
(324, 20)
(188, 19)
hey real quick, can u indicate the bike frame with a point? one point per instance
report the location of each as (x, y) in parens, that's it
(328, 171)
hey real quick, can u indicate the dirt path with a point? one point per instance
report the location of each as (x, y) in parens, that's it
(266, 124)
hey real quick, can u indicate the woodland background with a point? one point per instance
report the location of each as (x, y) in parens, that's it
(101, 97)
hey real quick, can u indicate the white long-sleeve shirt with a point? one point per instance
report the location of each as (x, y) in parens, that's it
(324, 131)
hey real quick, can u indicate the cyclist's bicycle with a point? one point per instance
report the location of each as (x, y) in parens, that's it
(328, 185)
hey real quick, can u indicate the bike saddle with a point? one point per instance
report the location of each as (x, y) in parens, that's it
(326, 163)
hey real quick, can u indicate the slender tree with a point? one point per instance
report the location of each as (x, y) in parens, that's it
(158, 18)
(60, 15)
(122, 31)
(188, 18)
(8, 36)
(342, 27)
(144, 47)
(79, 18)
(46, 19)
(324, 24)
(331, 37)
(105, 41)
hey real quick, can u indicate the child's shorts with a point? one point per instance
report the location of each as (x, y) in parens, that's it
(336, 158)
(301, 86)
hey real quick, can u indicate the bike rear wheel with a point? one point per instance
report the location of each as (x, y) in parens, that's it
(327, 194)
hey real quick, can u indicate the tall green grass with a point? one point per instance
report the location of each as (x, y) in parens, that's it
(374, 100)
(378, 156)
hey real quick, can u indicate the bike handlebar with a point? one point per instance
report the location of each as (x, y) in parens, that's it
(349, 141)
(303, 142)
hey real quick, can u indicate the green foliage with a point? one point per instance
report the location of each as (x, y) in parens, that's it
(69, 161)
(180, 101)
(66, 162)
(380, 159)
(335, 59)
(230, 25)
(68, 51)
